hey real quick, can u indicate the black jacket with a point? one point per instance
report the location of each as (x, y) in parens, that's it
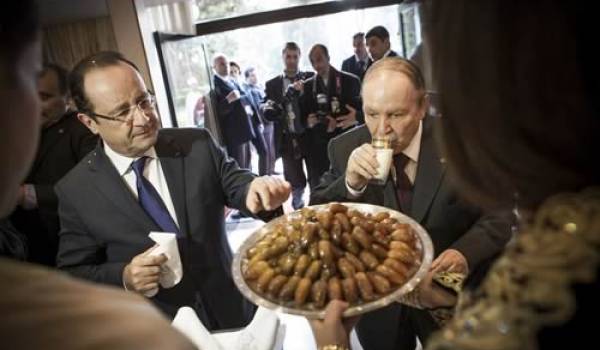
(62, 146)
(343, 86)
(104, 227)
(351, 66)
(451, 222)
(236, 125)
(274, 92)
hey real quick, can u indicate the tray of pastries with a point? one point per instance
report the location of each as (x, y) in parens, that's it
(366, 255)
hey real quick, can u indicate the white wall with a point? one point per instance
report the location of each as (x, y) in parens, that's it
(134, 40)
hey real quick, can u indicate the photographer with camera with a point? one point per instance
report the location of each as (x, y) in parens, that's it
(331, 106)
(282, 105)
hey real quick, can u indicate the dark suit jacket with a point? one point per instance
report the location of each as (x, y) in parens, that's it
(236, 126)
(351, 66)
(104, 227)
(274, 92)
(451, 223)
(62, 146)
(348, 92)
(392, 54)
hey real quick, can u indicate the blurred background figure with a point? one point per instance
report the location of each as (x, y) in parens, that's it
(378, 43)
(234, 112)
(266, 160)
(64, 141)
(358, 63)
(331, 106)
(282, 105)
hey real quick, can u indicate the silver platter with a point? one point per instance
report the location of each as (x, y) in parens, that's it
(423, 244)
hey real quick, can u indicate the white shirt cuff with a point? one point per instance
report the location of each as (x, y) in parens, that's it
(354, 193)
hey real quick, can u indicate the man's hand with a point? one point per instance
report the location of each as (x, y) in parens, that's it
(233, 96)
(433, 296)
(451, 260)
(299, 85)
(333, 330)
(312, 120)
(142, 273)
(331, 123)
(348, 120)
(267, 193)
(362, 166)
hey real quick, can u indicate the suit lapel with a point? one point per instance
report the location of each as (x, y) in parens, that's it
(171, 161)
(430, 172)
(110, 184)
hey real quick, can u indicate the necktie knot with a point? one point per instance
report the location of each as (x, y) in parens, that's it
(400, 161)
(138, 166)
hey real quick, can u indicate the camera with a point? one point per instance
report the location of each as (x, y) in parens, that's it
(291, 94)
(322, 107)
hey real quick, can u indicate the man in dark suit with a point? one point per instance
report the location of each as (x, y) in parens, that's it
(283, 107)
(234, 112)
(266, 158)
(331, 105)
(378, 43)
(395, 106)
(64, 141)
(358, 63)
(140, 179)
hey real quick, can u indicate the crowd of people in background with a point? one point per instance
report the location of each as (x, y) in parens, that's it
(296, 114)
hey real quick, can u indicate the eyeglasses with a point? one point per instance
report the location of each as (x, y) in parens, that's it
(146, 106)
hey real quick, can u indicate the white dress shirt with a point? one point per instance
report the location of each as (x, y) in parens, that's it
(152, 171)
(412, 152)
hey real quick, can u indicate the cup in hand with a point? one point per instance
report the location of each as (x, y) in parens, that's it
(384, 155)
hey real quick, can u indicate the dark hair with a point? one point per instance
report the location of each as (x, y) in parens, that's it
(61, 74)
(248, 71)
(378, 32)
(77, 77)
(318, 47)
(523, 116)
(234, 64)
(19, 27)
(292, 46)
(359, 35)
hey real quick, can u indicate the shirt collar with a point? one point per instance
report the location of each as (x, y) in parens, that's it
(123, 163)
(414, 147)
(359, 60)
(387, 53)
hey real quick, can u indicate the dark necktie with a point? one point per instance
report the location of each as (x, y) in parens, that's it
(404, 188)
(150, 199)
(361, 66)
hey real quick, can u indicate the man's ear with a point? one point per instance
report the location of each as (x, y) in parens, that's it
(89, 122)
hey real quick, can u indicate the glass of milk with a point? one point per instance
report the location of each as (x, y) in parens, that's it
(384, 154)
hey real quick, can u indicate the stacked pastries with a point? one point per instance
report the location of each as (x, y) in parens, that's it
(331, 253)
